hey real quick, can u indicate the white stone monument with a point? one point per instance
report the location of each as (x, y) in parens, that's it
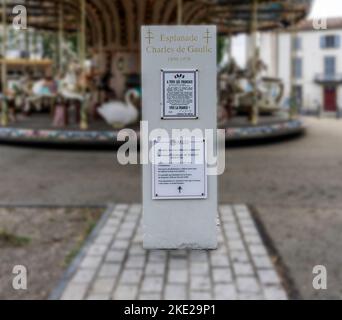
(179, 92)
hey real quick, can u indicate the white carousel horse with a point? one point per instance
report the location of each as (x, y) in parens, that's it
(119, 114)
(69, 88)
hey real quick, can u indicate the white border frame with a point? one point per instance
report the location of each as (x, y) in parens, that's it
(194, 197)
(162, 98)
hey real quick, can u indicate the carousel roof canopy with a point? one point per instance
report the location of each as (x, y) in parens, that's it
(116, 24)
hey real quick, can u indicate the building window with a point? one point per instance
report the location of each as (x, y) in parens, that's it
(298, 68)
(330, 42)
(298, 96)
(329, 66)
(297, 43)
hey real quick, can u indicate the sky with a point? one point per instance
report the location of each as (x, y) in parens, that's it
(320, 9)
(326, 8)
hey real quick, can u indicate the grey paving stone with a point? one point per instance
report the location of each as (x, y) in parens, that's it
(253, 239)
(138, 238)
(134, 262)
(152, 284)
(155, 269)
(98, 297)
(178, 276)
(248, 222)
(247, 285)
(222, 275)
(135, 209)
(199, 268)
(236, 245)
(175, 263)
(219, 261)
(175, 292)
(239, 256)
(275, 293)
(233, 235)
(97, 250)
(109, 270)
(128, 226)
(150, 296)
(124, 234)
(91, 262)
(262, 262)
(250, 231)
(225, 273)
(137, 250)
(250, 296)
(243, 269)
(120, 244)
(103, 285)
(125, 292)
(109, 230)
(220, 238)
(115, 256)
(198, 256)
(241, 208)
(178, 253)
(75, 291)
(225, 292)
(231, 227)
(157, 256)
(118, 214)
(226, 209)
(113, 222)
(227, 218)
(257, 250)
(121, 207)
(268, 277)
(200, 295)
(104, 239)
(83, 276)
(200, 283)
(131, 276)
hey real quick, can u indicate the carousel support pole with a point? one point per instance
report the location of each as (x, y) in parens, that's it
(179, 12)
(27, 43)
(4, 109)
(293, 55)
(84, 111)
(254, 29)
(60, 36)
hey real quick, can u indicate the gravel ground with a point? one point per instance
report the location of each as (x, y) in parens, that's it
(44, 241)
(295, 187)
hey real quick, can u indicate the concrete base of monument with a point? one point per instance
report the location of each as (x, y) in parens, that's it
(38, 131)
(180, 231)
(112, 265)
(162, 243)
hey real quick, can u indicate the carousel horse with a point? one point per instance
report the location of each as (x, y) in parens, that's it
(119, 114)
(241, 87)
(70, 85)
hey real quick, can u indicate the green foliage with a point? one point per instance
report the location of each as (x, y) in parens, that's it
(221, 47)
(11, 240)
(90, 224)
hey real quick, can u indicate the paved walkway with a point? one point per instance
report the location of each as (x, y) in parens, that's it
(113, 264)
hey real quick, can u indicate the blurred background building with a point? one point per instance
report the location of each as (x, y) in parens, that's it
(317, 64)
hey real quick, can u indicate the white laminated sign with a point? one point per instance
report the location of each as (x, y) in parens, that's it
(179, 94)
(179, 170)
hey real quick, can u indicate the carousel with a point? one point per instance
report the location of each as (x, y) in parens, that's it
(75, 76)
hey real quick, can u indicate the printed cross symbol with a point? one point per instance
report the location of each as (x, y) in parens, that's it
(149, 36)
(207, 36)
